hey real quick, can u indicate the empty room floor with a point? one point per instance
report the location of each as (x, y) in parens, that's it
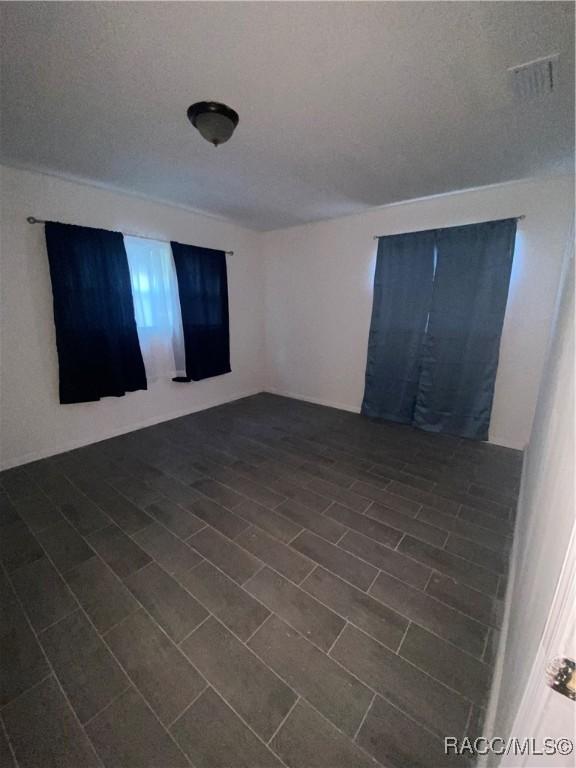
(265, 583)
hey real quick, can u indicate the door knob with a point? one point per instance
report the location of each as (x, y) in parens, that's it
(561, 676)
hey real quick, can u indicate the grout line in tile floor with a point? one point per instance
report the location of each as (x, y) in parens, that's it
(152, 520)
(284, 719)
(104, 640)
(112, 701)
(141, 568)
(169, 725)
(347, 622)
(26, 690)
(314, 567)
(259, 627)
(67, 519)
(49, 663)
(336, 543)
(118, 623)
(142, 697)
(240, 492)
(338, 636)
(396, 548)
(428, 580)
(66, 616)
(100, 634)
(274, 672)
(346, 531)
(401, 643)
(293, 539)
(364, 716)
(248, 726)
(501, 578)
(332, 503)
(369, 587)
(426, 629)
(229, 704)
(388, 648)
(391, 702)
(468, 720)
(487, 641)
(317, 566)
(249, 527)
(192, 631)
(8, 739)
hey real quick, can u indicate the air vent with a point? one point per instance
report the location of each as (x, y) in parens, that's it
(535, 78)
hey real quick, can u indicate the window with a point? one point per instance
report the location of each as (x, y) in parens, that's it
(156, 307)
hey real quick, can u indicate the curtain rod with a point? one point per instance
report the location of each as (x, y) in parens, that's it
(518, 218)
(34, 220)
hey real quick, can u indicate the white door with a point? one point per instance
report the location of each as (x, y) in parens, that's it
(545, 713)
(541, 604)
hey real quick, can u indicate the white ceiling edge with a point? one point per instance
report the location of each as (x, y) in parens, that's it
(560, 174)
(30, 168)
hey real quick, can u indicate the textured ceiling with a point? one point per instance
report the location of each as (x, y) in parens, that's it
(343, 106)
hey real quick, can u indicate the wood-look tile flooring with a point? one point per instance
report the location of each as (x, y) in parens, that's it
(267, 583)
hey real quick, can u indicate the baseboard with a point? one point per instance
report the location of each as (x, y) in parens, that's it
(505, 443)
(488, 731)
(71, 445)
(501, 441)
(314, 400)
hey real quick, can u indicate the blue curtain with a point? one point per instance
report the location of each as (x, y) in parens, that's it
(96, 338)
(461, 348)
(402, 292)
(203, 292)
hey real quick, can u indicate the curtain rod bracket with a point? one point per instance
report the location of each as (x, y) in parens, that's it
(34, 220)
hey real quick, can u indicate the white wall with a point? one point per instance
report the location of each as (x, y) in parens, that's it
(319, 295)
(545, 520)
(315, 280)
(33, 423)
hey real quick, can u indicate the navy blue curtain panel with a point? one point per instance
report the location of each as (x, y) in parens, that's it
(203, 291)
(96, 338)
(461, 348)
(402, 293)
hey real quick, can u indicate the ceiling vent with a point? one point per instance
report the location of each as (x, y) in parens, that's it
(535, 78)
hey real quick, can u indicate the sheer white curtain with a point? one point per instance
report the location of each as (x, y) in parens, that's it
(156, 307)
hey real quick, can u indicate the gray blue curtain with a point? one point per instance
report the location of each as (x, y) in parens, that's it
(203, 291)
(462, 343)
(435, 333)
(402, 293)
(96, 337)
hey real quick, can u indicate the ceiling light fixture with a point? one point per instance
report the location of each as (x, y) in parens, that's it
(215, 122)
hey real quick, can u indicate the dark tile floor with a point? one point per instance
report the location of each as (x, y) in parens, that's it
(265, 583)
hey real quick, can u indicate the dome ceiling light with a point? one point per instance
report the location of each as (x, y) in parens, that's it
(215, 122)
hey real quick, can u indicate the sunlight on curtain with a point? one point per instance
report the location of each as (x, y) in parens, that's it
(156, 307)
